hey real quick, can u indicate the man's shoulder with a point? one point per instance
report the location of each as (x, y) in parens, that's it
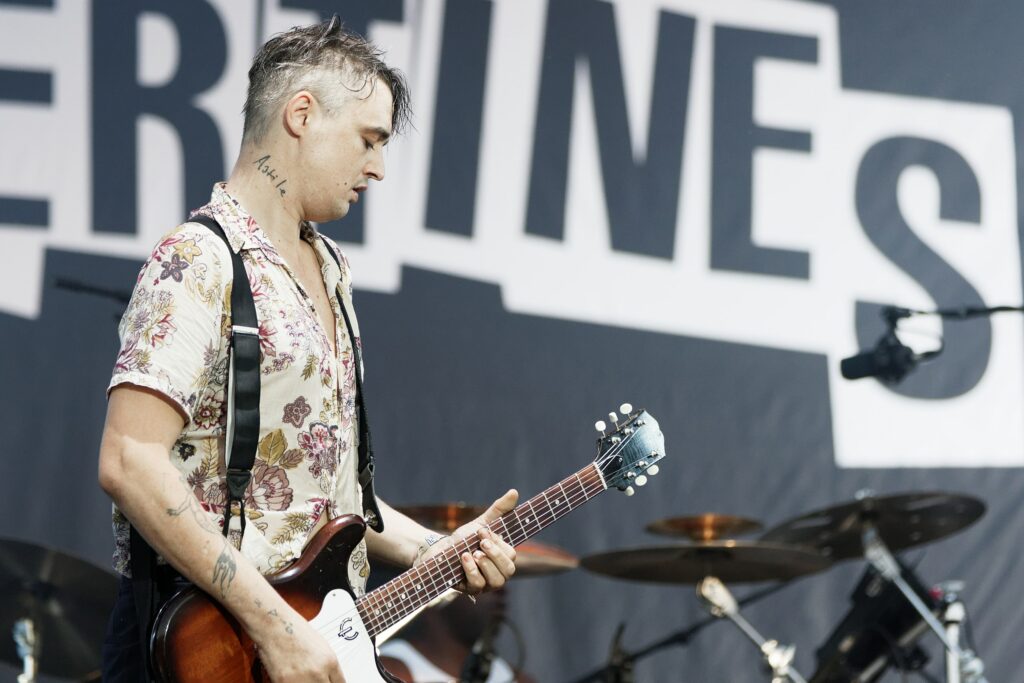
(192, 240)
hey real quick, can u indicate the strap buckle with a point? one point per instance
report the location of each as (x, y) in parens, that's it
(243, 329)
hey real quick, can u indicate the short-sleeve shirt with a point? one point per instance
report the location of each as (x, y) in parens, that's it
(174, 340)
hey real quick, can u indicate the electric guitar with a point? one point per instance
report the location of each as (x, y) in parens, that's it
(196, 640)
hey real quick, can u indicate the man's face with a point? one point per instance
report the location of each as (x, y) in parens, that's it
(345, 151)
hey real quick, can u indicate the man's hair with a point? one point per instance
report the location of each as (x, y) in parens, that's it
(326, 59)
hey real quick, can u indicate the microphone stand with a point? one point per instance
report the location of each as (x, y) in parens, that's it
(622, 659)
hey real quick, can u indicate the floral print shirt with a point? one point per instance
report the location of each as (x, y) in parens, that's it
(174, 340)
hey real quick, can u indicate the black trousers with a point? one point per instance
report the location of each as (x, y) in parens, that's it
(122, 656)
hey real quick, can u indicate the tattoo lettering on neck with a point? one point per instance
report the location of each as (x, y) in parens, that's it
(225, 569)
(263, 165)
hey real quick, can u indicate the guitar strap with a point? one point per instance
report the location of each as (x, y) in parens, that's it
(243, 428)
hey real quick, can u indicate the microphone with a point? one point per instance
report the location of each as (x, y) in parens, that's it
(477, 667)
(889, 361)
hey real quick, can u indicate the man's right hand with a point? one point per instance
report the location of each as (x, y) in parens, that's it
(297, 653)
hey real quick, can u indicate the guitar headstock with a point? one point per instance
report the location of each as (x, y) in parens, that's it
(629, 448)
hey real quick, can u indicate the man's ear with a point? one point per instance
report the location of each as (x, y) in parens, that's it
(297, 113)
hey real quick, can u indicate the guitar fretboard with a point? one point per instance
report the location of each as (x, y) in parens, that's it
(404, 594)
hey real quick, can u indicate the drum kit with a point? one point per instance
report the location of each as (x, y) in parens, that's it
(891, 608)
(56, 606)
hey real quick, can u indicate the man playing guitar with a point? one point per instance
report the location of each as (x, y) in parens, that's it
(321, 107)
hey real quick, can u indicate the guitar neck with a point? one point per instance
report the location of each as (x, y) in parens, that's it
(406, 593)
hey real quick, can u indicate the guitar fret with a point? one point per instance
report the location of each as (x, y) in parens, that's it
(390, 603)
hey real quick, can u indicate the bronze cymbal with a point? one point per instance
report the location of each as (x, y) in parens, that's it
(68, 600)
(707, 527)
(444, 517)
(902, 520)
(730, 560)
(541, 559)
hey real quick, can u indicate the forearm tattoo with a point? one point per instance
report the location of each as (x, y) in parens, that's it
(224, 570)
(289, 629)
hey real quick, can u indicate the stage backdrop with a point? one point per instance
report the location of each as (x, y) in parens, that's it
(694, 206)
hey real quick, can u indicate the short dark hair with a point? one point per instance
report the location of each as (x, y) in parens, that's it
(301, 57)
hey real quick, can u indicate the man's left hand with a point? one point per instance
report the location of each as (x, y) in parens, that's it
(488, 568)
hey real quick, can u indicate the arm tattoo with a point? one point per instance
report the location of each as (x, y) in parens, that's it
(225, 569)
(273, 613)
(190, 504)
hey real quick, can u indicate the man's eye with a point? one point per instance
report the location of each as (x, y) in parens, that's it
(368, 144)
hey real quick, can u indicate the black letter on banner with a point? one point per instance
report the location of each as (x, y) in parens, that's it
(735, 136)
(357, 15)
(642, 197)
(33, 87)
(118, 100)
(968, 344)
(458, 116)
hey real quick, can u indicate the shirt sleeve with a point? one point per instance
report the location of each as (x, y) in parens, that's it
(171, 333)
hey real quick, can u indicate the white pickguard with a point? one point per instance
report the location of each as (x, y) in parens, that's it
(340, 623)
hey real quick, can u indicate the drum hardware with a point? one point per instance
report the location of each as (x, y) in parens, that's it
(56, 607)
(742, 561)
(721, 604)
(620, 665)
(28, 649)
(880, 630)
(849, 530)
(706, 527)
(961, 663)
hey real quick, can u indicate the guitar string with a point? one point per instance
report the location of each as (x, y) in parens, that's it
(442, 577)
(378, 612)
(439, 578)
(449, 575)
(379, 622)
(381, 612)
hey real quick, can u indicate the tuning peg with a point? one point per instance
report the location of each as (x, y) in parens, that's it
(600, 426)
(641, 480)
(630, 491)
(653, 469)
(614, 418)
(626, 408)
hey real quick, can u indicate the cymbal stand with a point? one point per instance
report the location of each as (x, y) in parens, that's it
(680, 638)
(721, 603)
(620, 666)
(28, 649)
(961, 664)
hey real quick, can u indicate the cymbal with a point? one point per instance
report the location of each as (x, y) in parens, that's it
(541, 559)
(68, 599)
(902, 520)
(445, 517)
(706, 527)
(731, 561)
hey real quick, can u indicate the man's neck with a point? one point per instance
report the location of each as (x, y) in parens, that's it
(259, 181)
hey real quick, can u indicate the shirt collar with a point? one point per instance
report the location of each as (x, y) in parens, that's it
(242, 230)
